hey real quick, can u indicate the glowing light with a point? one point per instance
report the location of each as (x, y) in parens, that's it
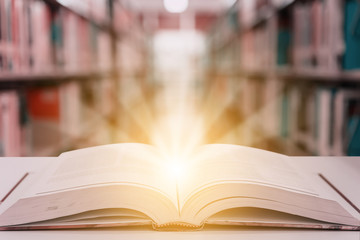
(176, 6)
(176, 168)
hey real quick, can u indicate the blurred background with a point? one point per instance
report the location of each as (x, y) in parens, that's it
(281, 75)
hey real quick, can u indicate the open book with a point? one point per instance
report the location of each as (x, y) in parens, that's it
(134, 184)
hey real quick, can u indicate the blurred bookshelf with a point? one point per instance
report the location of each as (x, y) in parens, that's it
(282, 75)
(63, 65)
(291, 71)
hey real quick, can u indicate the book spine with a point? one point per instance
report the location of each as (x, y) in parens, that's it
(176, 226)
(10, 129)
(351, 58)
(323, 121)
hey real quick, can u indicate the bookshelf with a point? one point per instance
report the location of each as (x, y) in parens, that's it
(61, 70)
(292, 71)
(341, 78)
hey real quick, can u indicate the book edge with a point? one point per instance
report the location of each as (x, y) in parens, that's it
(319, 226)
(182, 226)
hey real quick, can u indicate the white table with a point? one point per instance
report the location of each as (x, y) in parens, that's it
(343, 172)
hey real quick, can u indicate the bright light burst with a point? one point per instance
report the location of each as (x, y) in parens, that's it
(184, 117)
(176, 168)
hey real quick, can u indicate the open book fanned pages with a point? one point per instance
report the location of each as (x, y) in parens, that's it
(132, 184)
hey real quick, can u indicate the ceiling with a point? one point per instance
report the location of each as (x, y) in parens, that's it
(214, 6)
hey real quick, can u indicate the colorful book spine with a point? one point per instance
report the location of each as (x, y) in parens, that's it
(10, 128)
(351, 58)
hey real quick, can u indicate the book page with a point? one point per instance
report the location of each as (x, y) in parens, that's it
(218, 163)
(133, 164)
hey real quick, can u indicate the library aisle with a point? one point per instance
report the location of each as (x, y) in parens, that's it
(281, 75)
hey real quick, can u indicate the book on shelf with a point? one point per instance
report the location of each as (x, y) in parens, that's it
(293, 113)
(353, 128)
(44, 107)
(283, 44)
(10, 126)
(37, 38)
(307, 117)
(56, 116)
(346, 122)
(285, 116)
(324, 120)
(351, 59)
(133, 184)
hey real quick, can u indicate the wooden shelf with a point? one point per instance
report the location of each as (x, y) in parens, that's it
(10, 81)
(352, 77)
(340, 77)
